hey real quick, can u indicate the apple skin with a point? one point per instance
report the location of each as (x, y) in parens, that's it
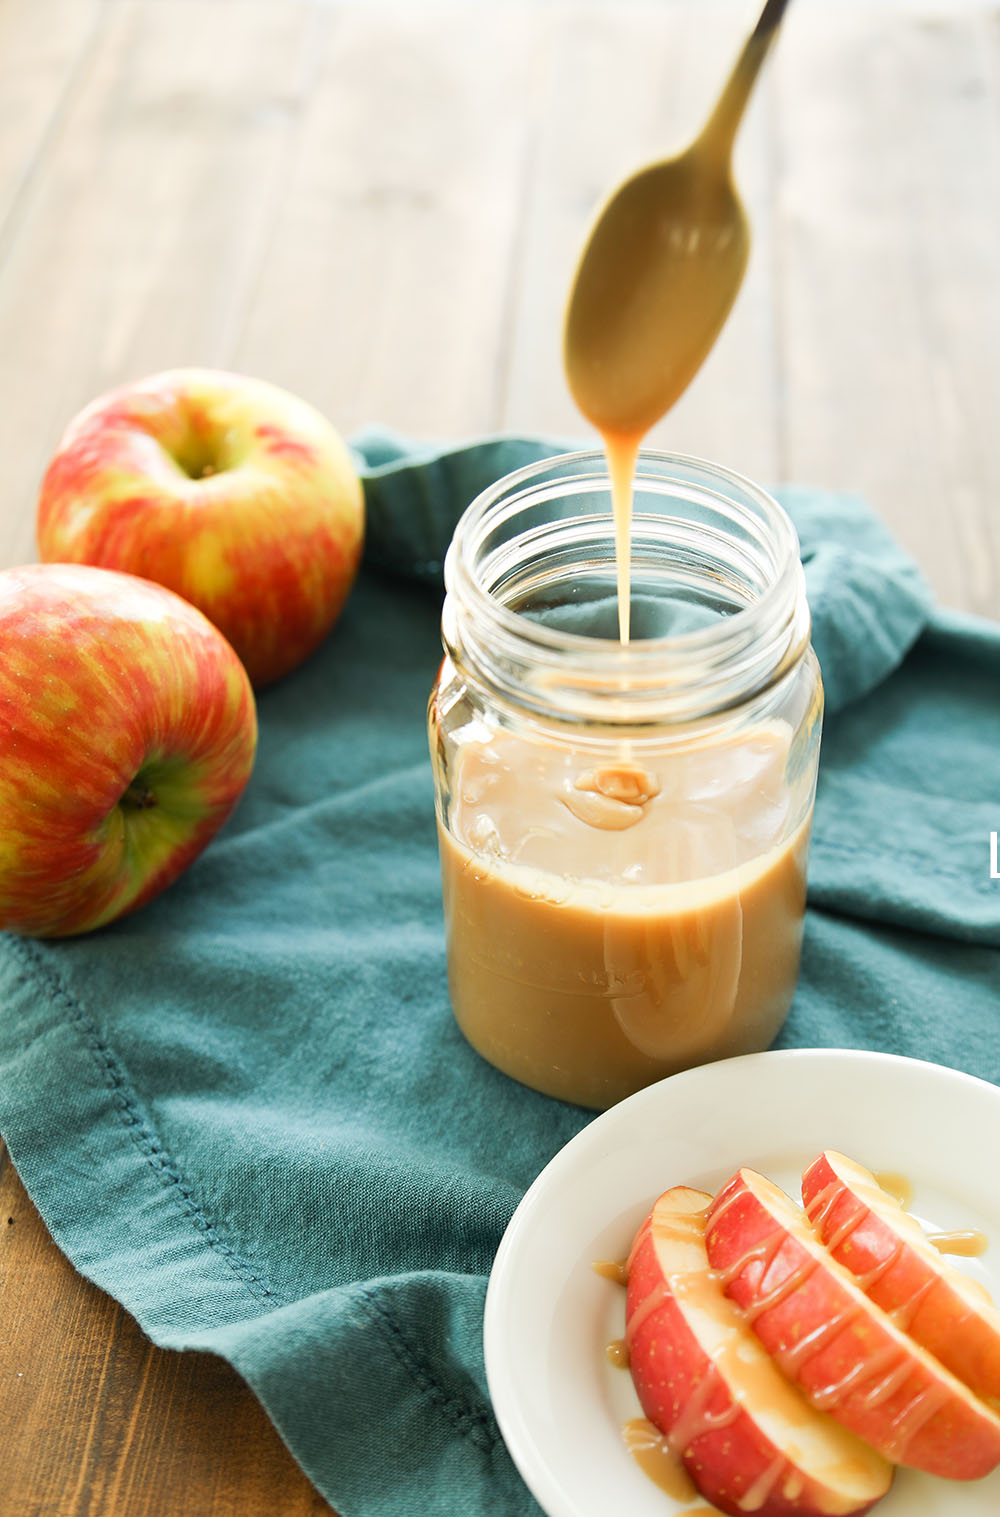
(841, 1349)
(127, 735)
(237, 495)
(868, 1232)
(674, 1353)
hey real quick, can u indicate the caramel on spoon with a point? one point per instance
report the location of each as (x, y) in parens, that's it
(661, 269)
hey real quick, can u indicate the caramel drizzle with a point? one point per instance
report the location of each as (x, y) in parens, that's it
(967, 1242)
(872, 1380)
(696, 1418)
(756, 1495)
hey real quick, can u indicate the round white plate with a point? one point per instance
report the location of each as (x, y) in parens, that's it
(559, 1402)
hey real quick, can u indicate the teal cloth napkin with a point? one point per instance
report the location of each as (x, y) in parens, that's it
(247, 1112)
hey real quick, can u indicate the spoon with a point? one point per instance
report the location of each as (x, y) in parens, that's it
(662, 267)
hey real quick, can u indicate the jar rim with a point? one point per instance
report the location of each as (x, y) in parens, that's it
(765, 632)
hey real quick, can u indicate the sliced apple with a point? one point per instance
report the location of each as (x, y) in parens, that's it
(747, 1438)
(892, 1260)
(845, 1352)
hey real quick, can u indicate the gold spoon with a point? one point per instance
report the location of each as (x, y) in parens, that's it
(662, 267)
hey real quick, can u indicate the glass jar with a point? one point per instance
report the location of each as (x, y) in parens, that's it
(623, 827)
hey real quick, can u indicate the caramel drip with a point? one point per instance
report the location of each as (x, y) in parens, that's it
(617, 1353)
(654, 1456)
(821, 1206)
(652, 1303)
(764, 1251)
(907, 1424)
(696, 1419)
(612, 1269)
(903, 1314)
(774, 1297)
(622, 453)
(722, 1204)
(897, 1186)
(756, 1495)
(795, 1355)
(967, 1242)
(869, 1277)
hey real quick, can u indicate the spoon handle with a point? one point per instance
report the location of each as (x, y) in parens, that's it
(720, 130)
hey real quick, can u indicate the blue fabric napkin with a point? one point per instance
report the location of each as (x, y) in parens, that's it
(247, 1112)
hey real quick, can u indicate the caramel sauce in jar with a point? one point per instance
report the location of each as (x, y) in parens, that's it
(623, 803)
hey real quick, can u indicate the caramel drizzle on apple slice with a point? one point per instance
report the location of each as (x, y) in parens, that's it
(968, 1242)
(756, 1495)
(696, 1419)
(820, 1208)
(887, 1370)
(822, 1205)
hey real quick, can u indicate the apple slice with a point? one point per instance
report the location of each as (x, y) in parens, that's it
(892, 1260)
(845, 1352)
(747, 1438)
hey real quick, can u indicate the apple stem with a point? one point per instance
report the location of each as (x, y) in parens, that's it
(138, 796)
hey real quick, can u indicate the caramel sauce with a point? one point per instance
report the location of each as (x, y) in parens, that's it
(966, 1242)
(897, 1186)
(655, 1457)
(608, 926)
(611, 1269)
(617, 1353)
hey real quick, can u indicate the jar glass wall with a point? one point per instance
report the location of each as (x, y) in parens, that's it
(623, 828)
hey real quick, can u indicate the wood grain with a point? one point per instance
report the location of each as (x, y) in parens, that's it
(887, 217)
(95, 1420)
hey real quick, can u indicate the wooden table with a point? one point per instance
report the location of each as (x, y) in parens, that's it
(379, 207)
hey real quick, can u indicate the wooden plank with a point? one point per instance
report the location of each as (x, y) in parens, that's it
(888, 229)
(94, 1419)
(138, 239)
(43, 50)
(383, 293)
(627, 85)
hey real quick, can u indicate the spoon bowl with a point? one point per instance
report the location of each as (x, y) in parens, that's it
(662, 267)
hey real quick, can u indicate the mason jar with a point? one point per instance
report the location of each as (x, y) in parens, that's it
(623, 827)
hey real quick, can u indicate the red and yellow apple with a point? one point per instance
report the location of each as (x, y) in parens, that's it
(127, 735)
(836, 1344)
(237, 495)
(748, 1439)
(892, 1260)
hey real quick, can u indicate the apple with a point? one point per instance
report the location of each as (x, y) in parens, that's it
(748, 1439)
(842, 1349)
(127, 734)
(888, 1253)
(237, 495)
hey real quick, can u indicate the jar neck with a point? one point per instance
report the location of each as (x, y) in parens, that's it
(715, 570)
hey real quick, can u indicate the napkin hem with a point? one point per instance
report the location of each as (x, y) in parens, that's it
(109, 1111)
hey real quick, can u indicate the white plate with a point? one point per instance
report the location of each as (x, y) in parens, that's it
(549, 1316)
